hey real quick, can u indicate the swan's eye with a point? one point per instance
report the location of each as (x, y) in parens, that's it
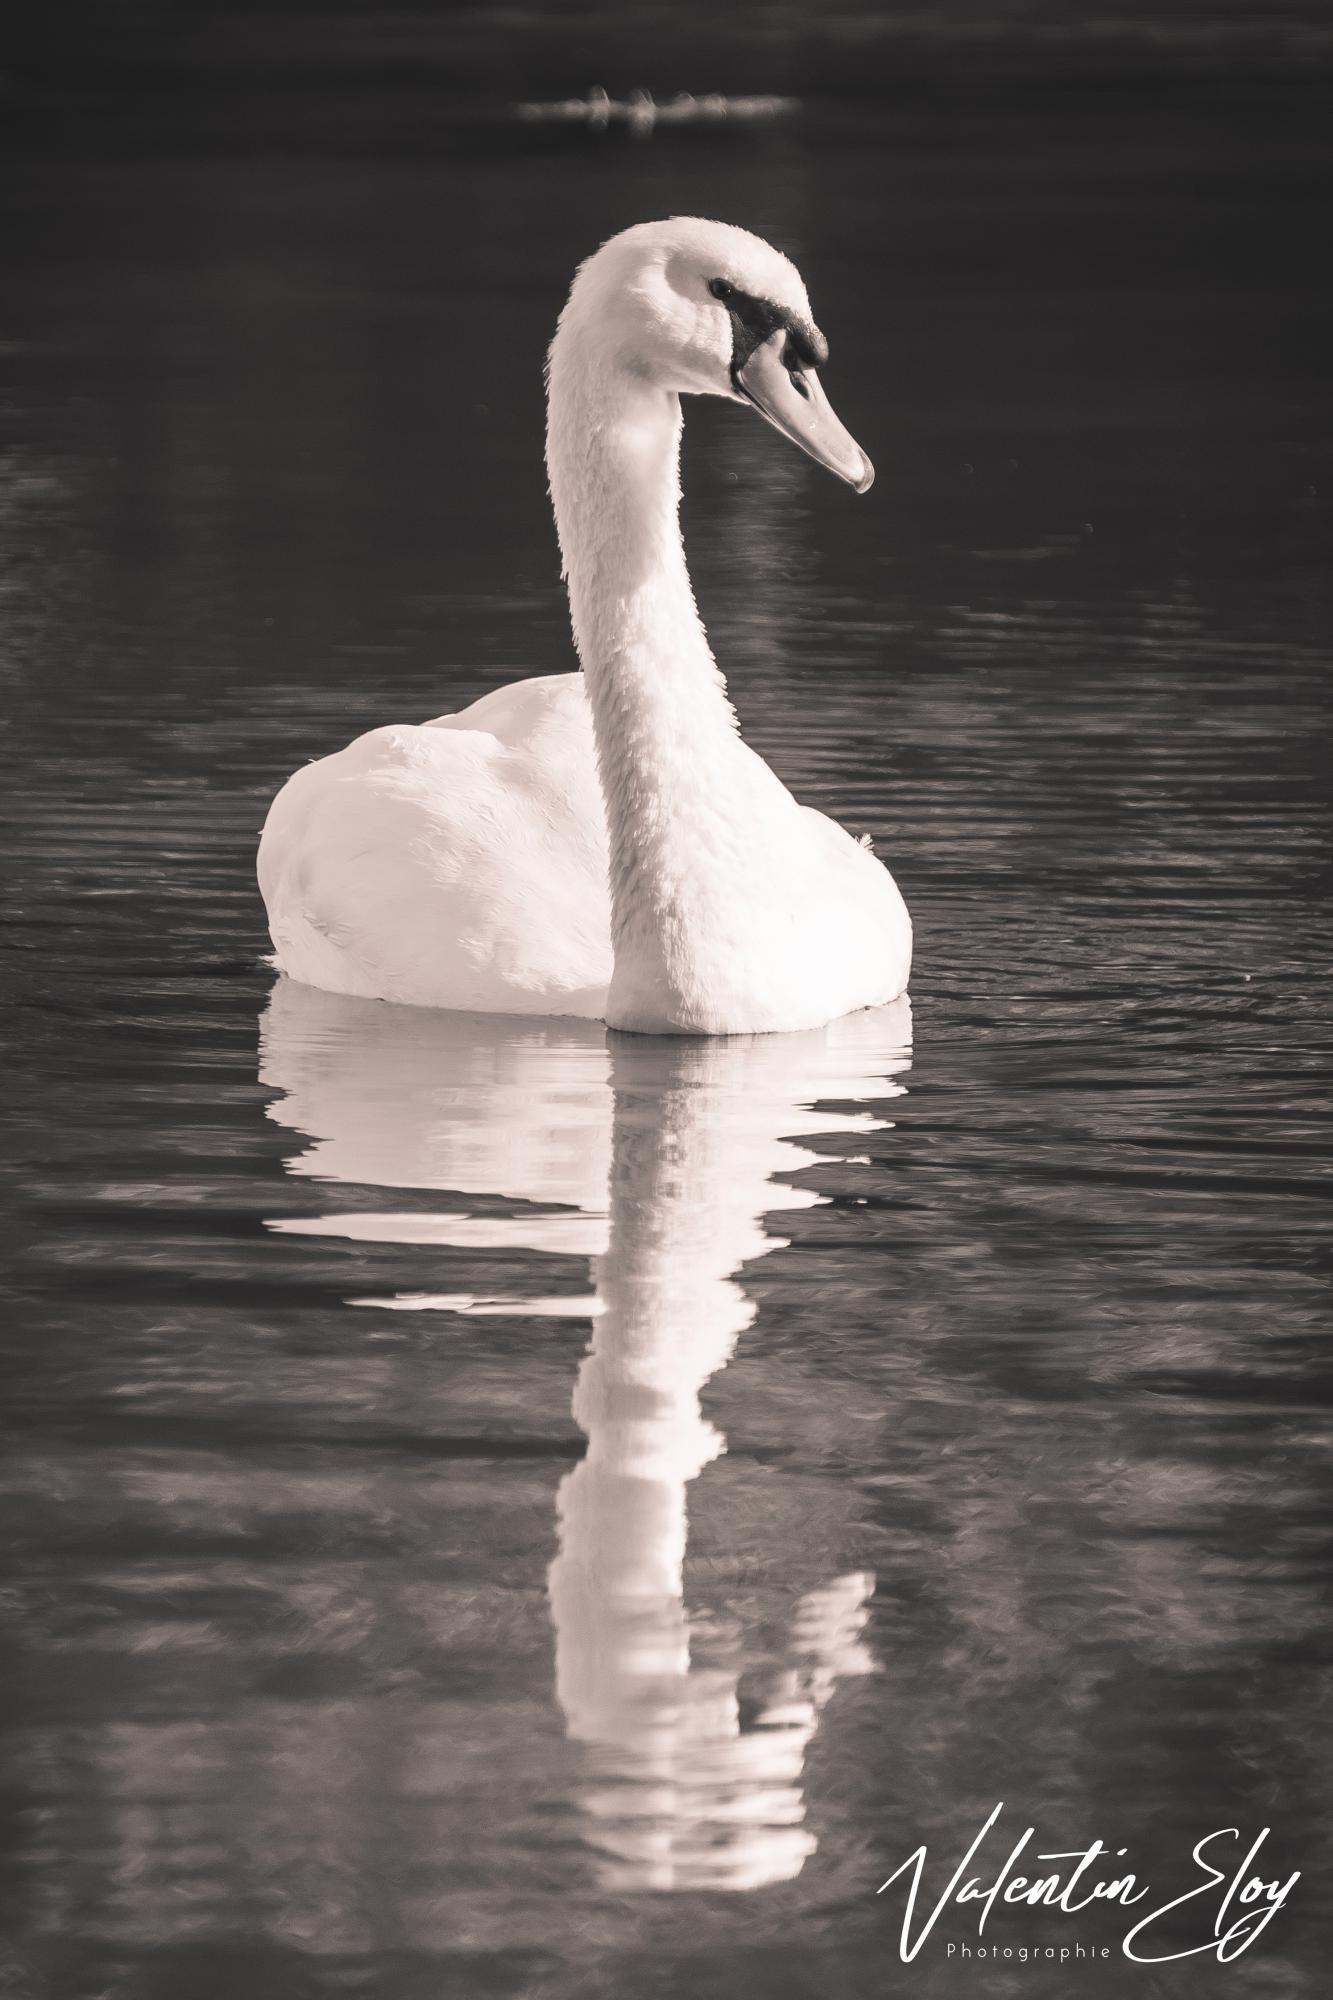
(721, 289)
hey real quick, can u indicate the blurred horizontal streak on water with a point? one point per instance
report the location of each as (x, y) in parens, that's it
(356, 79)
(1019, 1353)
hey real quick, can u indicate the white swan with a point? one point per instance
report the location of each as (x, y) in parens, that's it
(604, 844)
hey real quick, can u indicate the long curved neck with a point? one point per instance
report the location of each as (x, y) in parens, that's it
(662, 720)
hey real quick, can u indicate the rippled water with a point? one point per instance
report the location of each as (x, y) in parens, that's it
(494, 1511)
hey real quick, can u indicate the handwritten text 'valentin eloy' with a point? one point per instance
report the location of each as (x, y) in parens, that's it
(1233, 1900)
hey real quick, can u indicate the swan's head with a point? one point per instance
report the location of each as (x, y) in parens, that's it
(706, 309)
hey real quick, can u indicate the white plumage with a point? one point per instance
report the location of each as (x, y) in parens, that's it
(605, 844)
(457, 864)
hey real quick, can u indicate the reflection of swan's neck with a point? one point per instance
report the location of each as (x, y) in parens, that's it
(670, 1317)
(670, 1309)
(666, 733)
(709, 1803)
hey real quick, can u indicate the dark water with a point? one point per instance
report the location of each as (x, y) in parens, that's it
(959, 1440)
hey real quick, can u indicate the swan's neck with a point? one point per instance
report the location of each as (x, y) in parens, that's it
(666, 733)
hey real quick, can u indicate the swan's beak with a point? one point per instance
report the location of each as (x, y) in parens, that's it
(796, 405)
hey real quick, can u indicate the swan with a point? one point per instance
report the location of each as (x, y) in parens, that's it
(604, 844)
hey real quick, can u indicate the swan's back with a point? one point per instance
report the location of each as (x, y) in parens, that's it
(460, 862)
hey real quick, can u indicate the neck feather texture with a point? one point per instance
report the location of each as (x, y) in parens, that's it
(667, 741)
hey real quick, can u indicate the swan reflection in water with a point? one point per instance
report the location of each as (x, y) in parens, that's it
(656, 1159)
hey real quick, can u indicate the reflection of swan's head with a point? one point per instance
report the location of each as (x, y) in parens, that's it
(703, 308)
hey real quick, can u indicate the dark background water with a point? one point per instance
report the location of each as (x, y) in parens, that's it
(1047, 1360)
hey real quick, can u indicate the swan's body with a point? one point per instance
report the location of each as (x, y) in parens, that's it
(461, 863)
(604, 843)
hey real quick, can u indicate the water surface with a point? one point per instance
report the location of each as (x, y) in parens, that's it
(493, 1510)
